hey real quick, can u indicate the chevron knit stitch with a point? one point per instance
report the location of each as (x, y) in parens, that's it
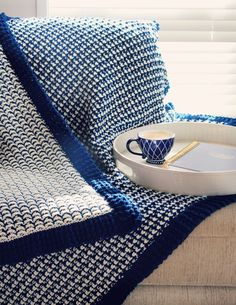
(106, 271)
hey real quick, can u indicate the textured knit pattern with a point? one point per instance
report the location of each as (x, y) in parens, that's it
(39, 187)
(97, 72)
(85, 274)
(90, 274)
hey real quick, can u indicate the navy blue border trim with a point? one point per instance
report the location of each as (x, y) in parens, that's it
(205, 117)
(174, 234)
(164, 244)
(124, 217)
(177, 231)
(170, 109)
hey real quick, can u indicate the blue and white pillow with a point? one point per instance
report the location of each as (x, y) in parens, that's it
(97, 71)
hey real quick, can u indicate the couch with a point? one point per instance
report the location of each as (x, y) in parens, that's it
(201, 271)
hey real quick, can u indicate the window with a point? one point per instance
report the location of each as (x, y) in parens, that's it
(197, 41)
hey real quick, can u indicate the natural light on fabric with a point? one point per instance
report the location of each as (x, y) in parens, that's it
(197, 41)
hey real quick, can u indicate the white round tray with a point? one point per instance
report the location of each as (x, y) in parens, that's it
(173, 179)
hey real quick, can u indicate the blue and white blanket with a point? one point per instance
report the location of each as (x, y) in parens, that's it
(73, 229)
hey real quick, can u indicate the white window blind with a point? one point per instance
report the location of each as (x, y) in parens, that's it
(197, 41)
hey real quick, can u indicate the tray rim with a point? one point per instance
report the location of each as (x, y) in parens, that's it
(154, 167)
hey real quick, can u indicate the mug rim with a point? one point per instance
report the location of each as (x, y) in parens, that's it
(170, 134)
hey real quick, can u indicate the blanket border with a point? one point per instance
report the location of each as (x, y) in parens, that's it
(163, 246)
(124, 216)
(173, 236)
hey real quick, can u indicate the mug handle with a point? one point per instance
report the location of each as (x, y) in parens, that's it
(128, 147)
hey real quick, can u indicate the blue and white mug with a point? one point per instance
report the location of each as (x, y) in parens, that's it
(154, 145)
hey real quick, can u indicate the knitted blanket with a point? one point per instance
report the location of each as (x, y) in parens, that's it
(73, 229)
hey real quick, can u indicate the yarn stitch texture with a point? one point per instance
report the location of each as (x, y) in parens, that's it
(46, 205)
(106, 271)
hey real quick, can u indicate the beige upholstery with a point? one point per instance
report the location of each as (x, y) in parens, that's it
(202, 268)
(181, 295)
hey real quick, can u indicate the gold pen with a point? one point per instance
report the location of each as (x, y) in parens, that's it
(180, 153)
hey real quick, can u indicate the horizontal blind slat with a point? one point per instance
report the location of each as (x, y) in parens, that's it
(201, 68)
(200, 4)
(199, 47)
(210, 79)
(211, 36)
(205, 89)
(200, 25)
(145, 13)
(194, 57)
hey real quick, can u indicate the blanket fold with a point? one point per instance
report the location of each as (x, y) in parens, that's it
(73, 229)
(47, 206)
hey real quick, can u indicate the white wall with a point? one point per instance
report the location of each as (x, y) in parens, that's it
(20, 8)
